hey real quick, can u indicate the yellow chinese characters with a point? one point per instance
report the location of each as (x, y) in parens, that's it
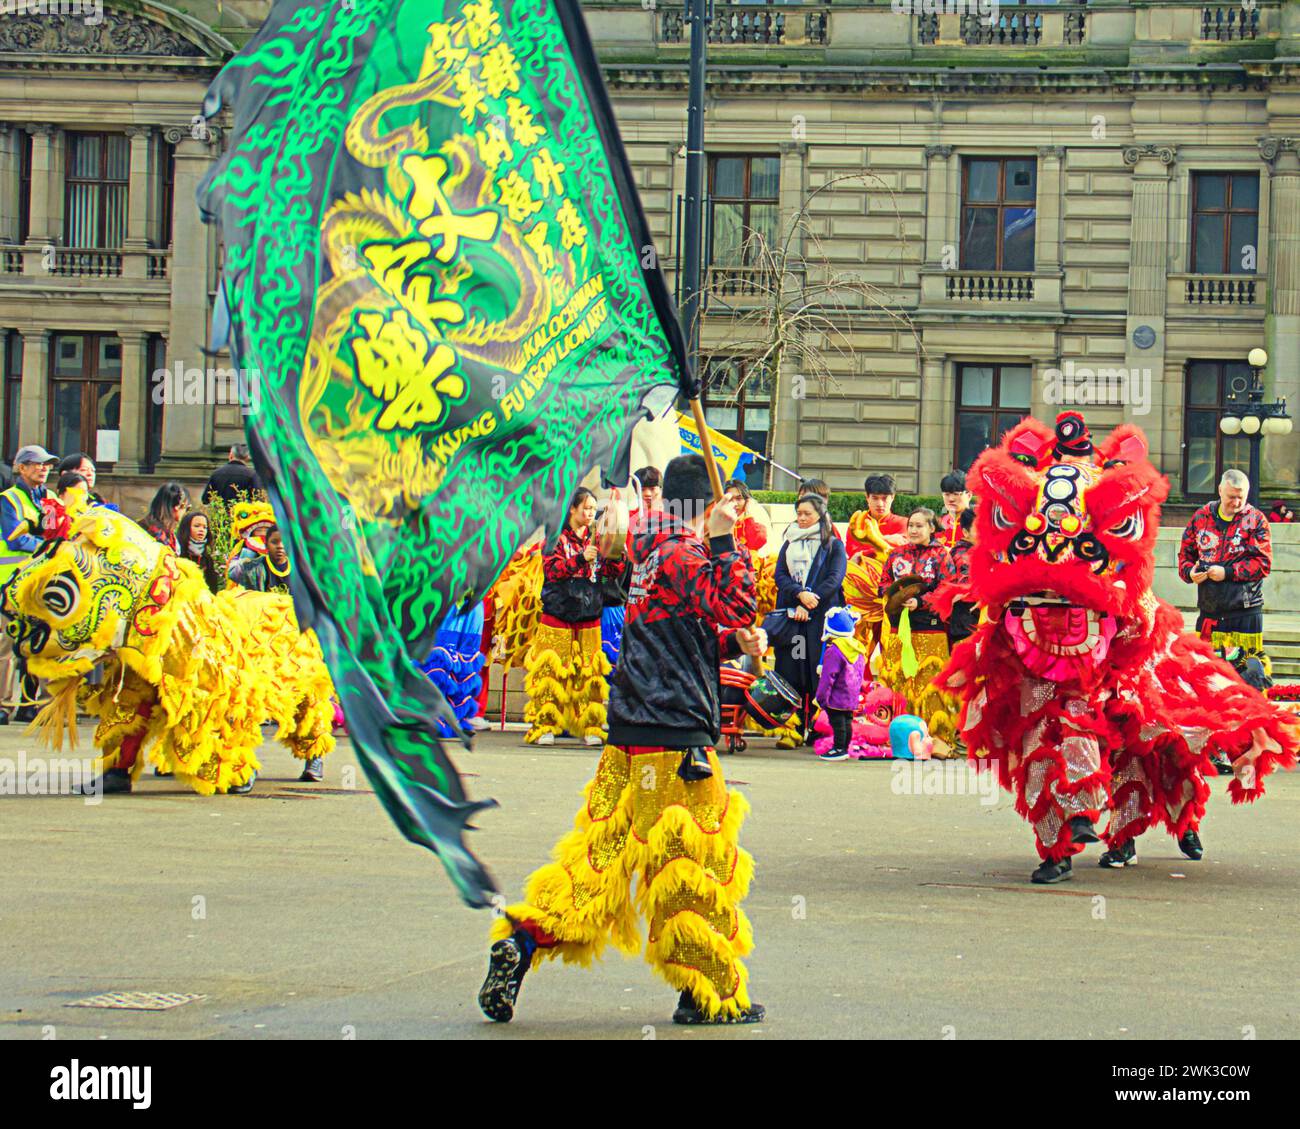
(395, 363)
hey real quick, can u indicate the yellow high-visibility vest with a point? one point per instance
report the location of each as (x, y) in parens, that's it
(11, 560)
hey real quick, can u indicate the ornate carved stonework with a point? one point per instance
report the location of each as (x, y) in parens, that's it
(1270, 148)
(943, 152)
(198, 130)
(118, 34)
(1165, 154)
(1057, 151)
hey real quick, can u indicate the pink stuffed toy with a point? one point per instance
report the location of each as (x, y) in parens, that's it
(877, 707)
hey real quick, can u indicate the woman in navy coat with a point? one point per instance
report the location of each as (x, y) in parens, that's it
(809, 574)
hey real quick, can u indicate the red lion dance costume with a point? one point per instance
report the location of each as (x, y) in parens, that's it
(1082, 688)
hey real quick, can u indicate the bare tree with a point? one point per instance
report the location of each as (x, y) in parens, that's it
(804, 305)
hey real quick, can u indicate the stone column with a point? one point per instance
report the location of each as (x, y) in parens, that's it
(1047, 238)
(9, 191)
(134, 260)
(187, 428)
(941, 220)
(1040, 407)
(937, 410)
(1147, 286)
(136, 387)
(938, 207)
(33, 400)
(41, 227)
(1280, 454)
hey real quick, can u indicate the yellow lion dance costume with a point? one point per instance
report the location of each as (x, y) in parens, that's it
(188, 677)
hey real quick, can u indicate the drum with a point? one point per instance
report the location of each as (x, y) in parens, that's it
(771, 701)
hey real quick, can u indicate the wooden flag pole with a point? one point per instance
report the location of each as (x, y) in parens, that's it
(706, 448)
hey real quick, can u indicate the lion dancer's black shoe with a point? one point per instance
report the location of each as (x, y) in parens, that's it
(1190, 845)
(1116, 858)
(1081, 830)
(689, 1012)
(508, 960)
(114, 781)
(1049, 872)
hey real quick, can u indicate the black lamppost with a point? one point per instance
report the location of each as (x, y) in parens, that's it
(698, 14)
(1255, 419)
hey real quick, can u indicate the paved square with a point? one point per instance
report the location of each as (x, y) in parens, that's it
(300, 911)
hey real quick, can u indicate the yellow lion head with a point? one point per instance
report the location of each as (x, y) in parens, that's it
(77, 599)
(249, 522)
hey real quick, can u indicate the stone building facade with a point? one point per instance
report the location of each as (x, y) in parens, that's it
(1123, 120)
(1070, 202)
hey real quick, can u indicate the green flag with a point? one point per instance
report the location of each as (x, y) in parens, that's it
(441, 290)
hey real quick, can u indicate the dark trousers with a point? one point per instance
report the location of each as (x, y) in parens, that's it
(841, 728)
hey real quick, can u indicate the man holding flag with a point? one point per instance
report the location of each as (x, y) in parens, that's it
(658, 809)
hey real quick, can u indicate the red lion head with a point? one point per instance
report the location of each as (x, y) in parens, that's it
(1065, 537)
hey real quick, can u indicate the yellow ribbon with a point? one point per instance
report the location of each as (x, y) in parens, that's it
(909, 663)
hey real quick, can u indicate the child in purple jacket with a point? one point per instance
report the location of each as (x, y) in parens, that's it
(844, 665)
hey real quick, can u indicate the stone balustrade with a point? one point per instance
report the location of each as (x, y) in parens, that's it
(843, 31)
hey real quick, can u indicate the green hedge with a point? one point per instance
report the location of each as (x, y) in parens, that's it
(845, 504)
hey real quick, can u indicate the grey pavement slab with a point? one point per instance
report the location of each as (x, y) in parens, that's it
(299, 911)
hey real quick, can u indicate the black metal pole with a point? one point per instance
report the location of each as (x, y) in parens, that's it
(1255, 398)
(1255, 441)
(691, 243)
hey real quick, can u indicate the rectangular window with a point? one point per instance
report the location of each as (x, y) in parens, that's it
(153, 412)
(991, 399)
(24, 185)
(743, 209)
(737, 402)
(86, 395)
(998, 213)
(13, 385)
(1225, 222)
(98, 175)
(1207, 452)
(165, 212)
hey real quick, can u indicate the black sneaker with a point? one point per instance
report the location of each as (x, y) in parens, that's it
(4, 717)
(158, 772)
(1118, 857)
(1190, 845)
(314, 771)
(688, 1012)
(1222, 765)
(833, 755)
(508, 960)
(244, 788)
(114, 781)
(1081, 830)
(1051, 872)
(25, 715)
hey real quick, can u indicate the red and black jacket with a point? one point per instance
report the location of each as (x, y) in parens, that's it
(933, 564)
(965, 613)
(686, 600)
(571, 589)
(1243, 548)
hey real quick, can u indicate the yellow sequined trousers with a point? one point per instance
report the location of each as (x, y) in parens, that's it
(566, 682)
(680, 842)
(938, 711)
(1252, 644)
